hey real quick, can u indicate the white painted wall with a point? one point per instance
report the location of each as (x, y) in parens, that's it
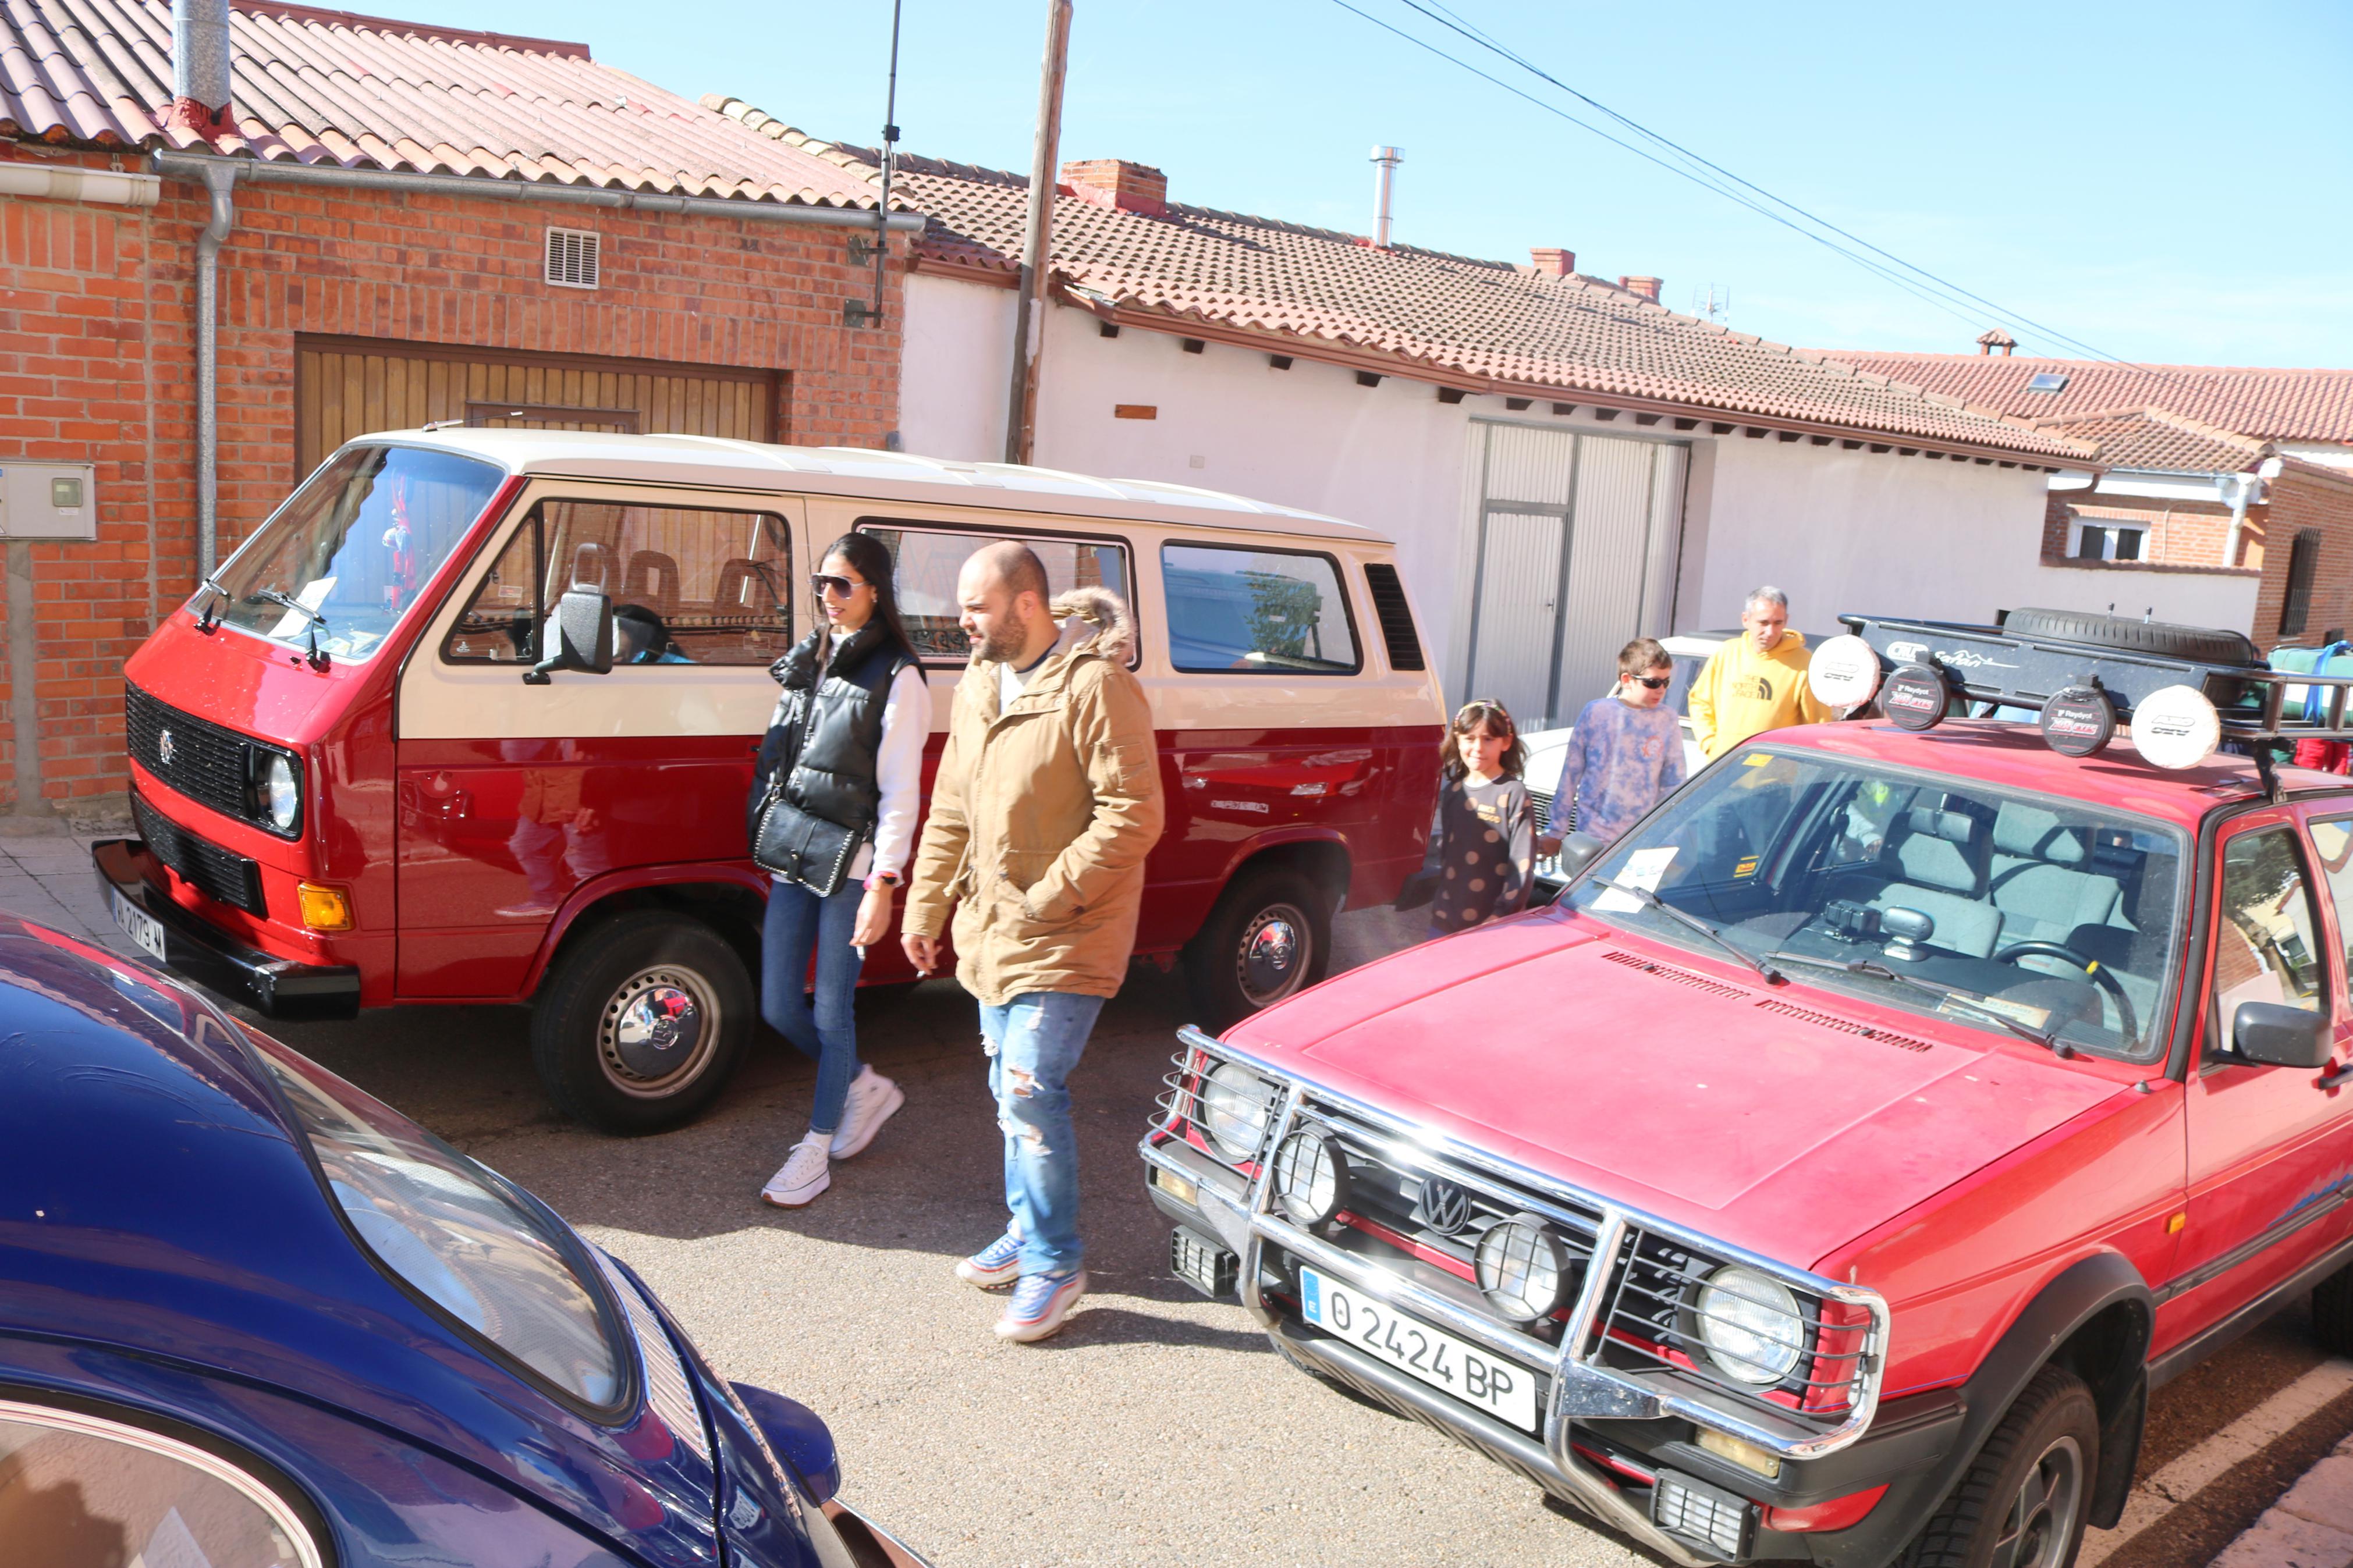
(2187, 598)
(956, 369)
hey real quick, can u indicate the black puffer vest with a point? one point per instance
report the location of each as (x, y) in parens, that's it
(830, 731)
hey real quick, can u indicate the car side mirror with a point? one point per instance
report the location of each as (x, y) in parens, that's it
(582, 630)
(1577, 852)
(2274, 1036)
(797, 1434)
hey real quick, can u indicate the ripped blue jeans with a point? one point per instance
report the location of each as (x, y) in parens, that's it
(1033, 1042)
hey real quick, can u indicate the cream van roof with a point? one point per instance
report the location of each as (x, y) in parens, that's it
(882, 476)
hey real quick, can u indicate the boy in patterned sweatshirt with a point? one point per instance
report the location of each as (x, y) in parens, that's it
(1626, 755)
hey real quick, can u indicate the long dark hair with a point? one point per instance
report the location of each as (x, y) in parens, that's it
(871, 559)
(1487, 717)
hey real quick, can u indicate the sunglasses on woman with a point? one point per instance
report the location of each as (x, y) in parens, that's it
(825, 583)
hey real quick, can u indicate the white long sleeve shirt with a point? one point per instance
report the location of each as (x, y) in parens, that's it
(898, 771)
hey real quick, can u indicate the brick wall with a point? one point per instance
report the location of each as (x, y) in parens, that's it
(2304, 498)
(2181, 533)
(98, 359)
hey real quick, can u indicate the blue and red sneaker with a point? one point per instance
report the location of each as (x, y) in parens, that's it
(1041, 1302)
(994, 1266)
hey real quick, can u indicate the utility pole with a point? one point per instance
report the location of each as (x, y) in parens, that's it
(1030, 308)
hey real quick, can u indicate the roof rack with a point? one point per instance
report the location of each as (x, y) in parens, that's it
(1992, 664)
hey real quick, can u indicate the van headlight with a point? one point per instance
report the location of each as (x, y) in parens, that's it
(281, 792)
(1234, 1106)
(1750, 1325)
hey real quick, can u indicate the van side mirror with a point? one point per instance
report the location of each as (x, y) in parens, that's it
(581, 631)
(1577, 852)
(2278, 1037)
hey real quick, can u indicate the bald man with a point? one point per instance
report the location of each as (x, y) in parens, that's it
(1046, 800)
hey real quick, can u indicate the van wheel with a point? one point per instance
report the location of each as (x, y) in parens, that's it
(2332, 1312)
(1269, 938)
(2023, 1501)
(641, 1026)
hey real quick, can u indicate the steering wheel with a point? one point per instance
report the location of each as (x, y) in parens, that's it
(2102, 978)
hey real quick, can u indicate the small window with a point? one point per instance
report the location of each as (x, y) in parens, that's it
(1263, 611)
(2268, 948)
(2334, 841)
(2303, 565)
(688, 585)
(79, 1490)
(572, 258)
(2047, 381)
(925, 562)
(2110, 542)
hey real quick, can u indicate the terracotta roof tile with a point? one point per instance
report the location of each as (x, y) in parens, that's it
(327, 87)
(1440, 316)
(2274, 405)
(2160, 439)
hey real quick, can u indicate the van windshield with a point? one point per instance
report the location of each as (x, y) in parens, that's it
(1940, 895)
(353, 548)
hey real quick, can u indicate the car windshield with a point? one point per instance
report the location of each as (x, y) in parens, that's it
(352, 548)
(2053, 919)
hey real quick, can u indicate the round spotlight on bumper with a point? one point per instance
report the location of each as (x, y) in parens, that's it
(1311, 1177)
(1523, 1269)
(1750, 1325)
(1236, 1105)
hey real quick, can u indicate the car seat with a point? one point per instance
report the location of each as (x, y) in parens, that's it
(1941, 862)
(651, 581)
(2039, 883)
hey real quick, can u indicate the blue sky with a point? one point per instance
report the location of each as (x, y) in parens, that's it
(2165, 182)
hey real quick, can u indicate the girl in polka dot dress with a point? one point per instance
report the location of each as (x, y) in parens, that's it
(1486, 825)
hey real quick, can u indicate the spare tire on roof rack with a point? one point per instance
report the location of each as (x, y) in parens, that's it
(2205, 645)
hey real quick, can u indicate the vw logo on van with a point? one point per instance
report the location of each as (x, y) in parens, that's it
(1445, 1207)
(166, 748)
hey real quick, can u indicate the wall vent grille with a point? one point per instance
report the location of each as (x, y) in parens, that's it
(572, 258)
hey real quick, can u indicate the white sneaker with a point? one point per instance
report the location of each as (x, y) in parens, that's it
(804, 1176)
(873, 1099)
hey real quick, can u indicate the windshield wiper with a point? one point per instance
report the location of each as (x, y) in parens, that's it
(2048, 1039)
(1694, 923)
(318, 622)
(209, 617)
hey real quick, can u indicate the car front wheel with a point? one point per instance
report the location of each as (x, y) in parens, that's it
(639, 1026)
(2021, 1502)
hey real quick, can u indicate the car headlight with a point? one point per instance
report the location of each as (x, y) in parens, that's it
(1523, 1269)
(1750, 1325)
(282, 794)
(453, 1233)
(1234, 1105)
(1311, 1177)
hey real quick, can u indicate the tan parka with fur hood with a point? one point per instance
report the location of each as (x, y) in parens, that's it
(1041, 815)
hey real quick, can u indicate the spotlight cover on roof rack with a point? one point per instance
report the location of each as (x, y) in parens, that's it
(2080, 720)
(2176, 727)
(1843, 672)
(1915, 697)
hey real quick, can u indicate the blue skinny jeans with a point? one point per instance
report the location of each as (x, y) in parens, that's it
(797, 922)
(1033, 1042)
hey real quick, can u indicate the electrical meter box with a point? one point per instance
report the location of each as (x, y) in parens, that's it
(48, 500)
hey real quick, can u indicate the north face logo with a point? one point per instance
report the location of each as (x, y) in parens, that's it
(1754, 687)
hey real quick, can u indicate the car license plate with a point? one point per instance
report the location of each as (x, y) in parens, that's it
(1503, 1389)
(138, 925)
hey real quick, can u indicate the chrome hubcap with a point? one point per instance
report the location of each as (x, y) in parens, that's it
(2041, 1519)
(657, 1032)
(1273, 957)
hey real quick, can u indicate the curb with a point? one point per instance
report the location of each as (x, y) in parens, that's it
(2310, 1527)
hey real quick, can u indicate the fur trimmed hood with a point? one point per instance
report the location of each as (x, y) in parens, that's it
(1096, 620)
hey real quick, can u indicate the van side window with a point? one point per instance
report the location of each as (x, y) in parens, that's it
(928, 559)
(2334, 841)
(1270, 611)
(2268, 948)
(688, 587)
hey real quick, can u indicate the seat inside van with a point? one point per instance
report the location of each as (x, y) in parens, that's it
(1941, 861)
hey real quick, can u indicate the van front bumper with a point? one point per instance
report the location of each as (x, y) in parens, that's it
(195, 948)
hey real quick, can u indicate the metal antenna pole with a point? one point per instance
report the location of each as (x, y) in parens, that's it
(1028, 310)
(890, 159)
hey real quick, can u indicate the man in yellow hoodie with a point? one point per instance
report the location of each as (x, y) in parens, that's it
(1757, 681)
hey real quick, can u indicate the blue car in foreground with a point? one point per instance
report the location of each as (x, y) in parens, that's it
(252, 1318)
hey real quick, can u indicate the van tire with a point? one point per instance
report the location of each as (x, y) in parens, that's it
(2332, 1312)
(1268, 939)
(2203, 644)
(596, 1026)
(2050, 1438)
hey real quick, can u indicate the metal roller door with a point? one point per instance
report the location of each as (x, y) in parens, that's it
(351, 386)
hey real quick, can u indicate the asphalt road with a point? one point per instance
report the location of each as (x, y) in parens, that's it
(1158, 1427)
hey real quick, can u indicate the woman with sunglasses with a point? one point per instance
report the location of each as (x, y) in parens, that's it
(1626, 754)
(832, 816)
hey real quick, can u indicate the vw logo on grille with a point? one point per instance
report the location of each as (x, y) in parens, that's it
(1445, 1207)
(166, 748)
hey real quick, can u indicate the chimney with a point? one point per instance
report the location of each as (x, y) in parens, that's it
(1994, 338)
(1385, 162)
(1554, 263)
(1119, 184)
(1648, 288)
(200, 68)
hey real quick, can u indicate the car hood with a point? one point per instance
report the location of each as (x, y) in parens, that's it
(1766, 1117)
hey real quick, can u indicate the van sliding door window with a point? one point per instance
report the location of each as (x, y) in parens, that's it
(688, 585)
(926, 561)
(1275, 612)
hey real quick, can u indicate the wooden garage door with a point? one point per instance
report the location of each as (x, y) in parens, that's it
(352, 386)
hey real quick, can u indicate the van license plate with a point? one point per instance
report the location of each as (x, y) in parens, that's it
(1503, 1389)
(138, 925)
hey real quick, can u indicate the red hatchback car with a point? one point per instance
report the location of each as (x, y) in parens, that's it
(1832, 1173)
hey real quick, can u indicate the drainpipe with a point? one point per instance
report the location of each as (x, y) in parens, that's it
(2240, 491)
(220, 179)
